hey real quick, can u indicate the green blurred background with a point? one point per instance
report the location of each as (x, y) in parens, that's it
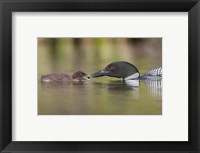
(99, 96)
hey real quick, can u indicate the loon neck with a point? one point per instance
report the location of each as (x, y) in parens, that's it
(134, 76)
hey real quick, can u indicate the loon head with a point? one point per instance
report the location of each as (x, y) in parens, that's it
(120, 69)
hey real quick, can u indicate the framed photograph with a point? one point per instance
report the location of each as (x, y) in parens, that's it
(99, 76)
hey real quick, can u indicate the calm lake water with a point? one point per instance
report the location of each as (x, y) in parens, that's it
(98, 96)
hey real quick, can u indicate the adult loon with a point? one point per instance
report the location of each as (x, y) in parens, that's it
(63, 77)
(127, 71)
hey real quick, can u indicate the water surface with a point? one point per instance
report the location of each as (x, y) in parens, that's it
(99, 97)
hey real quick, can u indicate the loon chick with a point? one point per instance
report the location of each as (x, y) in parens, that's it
(63, 77)
(126, 71)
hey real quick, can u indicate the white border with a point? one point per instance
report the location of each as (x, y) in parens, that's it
(171, 126)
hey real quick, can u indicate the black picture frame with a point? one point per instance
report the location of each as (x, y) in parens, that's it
(9, 6)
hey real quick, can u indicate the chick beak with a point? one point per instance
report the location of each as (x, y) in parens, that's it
(86, 77)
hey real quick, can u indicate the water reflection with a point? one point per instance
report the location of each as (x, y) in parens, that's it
(62, 84)
(118, 85)
(154, 88)
(100, 98)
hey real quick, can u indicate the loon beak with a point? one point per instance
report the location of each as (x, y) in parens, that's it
(99, 74)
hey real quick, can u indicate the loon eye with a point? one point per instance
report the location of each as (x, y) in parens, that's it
(110, 68)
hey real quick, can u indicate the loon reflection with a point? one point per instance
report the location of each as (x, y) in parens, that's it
(154, 88)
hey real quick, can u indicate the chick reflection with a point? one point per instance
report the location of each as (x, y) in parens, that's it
(55, 84)
(62, 84)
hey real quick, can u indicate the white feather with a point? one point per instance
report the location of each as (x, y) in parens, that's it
(134, 76)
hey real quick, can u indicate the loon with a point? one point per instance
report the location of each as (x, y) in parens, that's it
(127, 71)
(64, 77)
